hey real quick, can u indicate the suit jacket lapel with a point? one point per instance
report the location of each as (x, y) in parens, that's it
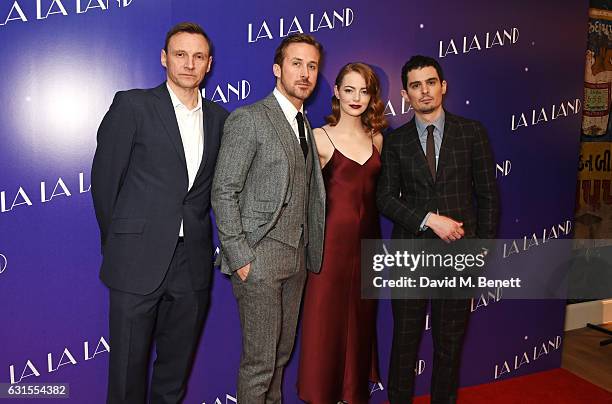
(283, 129)
(207, 139)
(312, 149)
(446, 149)
(168, 117)
(313, 166)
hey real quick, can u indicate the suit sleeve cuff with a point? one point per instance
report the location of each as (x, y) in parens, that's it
(423, 227)
(238, 255)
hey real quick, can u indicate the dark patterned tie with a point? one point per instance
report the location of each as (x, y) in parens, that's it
(302, 132)
(430, 151)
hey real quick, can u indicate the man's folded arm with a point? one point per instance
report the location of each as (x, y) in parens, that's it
(238, 148)
(115, 138)
(388, 194)
(485, 185)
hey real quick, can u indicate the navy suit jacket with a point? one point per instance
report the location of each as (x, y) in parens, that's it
(139, 186)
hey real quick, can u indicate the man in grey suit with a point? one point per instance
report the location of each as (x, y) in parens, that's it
(269, 202)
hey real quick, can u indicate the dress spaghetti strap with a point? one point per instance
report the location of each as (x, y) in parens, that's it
(330, 141)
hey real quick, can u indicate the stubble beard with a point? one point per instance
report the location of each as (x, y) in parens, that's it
(295, 92)
(299, 93)
(428, 111)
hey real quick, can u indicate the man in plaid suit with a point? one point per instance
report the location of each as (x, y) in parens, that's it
(437, 181)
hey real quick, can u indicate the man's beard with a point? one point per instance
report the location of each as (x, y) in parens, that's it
(428, 110)
(295, 91)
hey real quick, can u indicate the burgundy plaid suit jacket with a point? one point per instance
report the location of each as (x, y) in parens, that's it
(464, 188)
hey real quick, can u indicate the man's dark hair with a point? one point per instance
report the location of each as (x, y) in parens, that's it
(190, 28)
(419, 62)
(279, 55)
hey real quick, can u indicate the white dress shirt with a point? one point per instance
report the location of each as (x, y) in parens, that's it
(290, 111)
(191, 127)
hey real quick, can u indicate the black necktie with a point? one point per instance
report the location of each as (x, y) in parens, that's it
(430, 152)
(302, 132)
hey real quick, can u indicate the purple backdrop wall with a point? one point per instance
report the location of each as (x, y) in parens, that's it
(518, 69)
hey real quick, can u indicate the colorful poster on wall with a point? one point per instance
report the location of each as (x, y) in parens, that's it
(598, 75)
(593, 198)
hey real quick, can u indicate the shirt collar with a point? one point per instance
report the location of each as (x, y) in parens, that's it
(288, 108)
(438, 123)
(176, 102)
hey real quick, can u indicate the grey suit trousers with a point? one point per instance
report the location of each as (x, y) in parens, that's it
(269, 304)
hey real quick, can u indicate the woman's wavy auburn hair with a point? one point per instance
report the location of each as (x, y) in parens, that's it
(373, 117)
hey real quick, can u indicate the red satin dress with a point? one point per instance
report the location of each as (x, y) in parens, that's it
(338, 354)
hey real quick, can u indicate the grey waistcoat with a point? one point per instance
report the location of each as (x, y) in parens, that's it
(292, 222)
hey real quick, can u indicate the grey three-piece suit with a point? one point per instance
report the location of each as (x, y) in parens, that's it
(269, 204)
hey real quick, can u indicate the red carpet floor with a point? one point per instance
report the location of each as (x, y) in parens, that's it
(556, 386)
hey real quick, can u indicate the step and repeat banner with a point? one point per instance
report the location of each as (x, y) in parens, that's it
(516, 67)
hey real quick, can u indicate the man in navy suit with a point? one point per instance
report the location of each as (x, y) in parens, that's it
(151, 181)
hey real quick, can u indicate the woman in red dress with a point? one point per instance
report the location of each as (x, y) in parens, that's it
(338, 353)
